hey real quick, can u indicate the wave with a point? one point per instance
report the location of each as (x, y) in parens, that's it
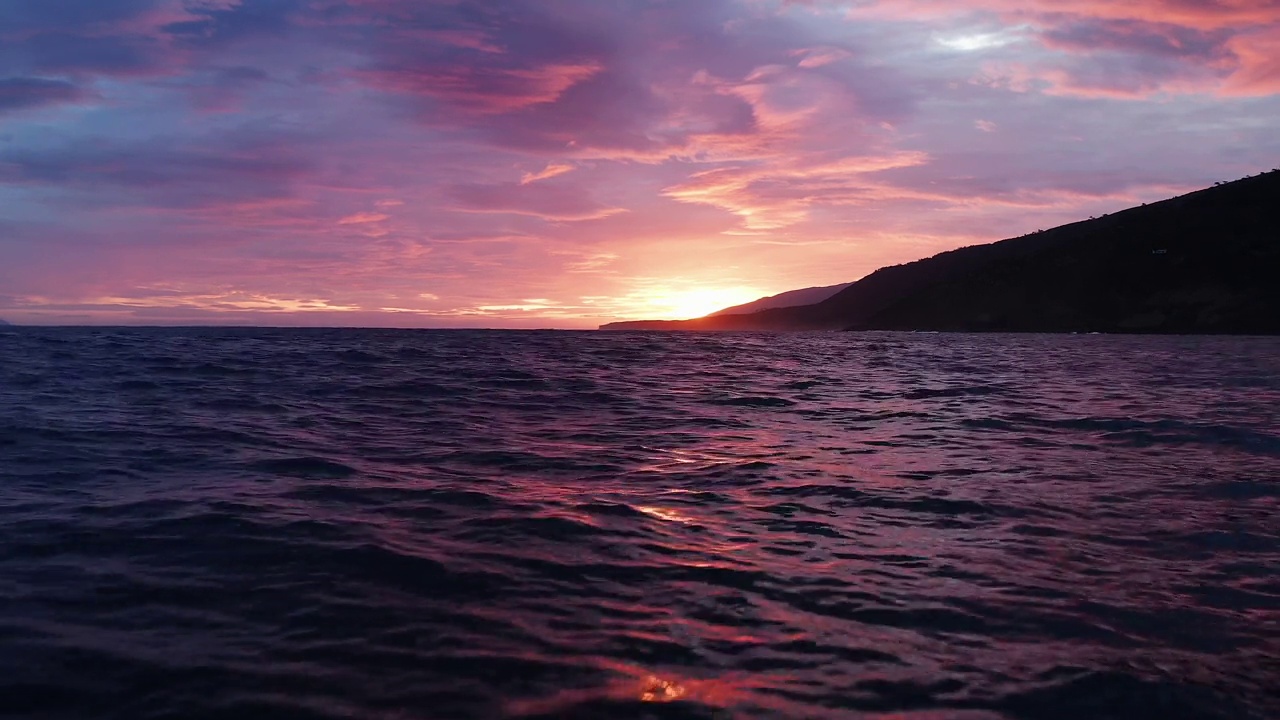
(214, 523)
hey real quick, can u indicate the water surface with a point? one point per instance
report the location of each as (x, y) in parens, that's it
(395, 524)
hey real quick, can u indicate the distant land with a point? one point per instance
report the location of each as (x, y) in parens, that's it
(791, 298)
(2, 322)
(1206, 262)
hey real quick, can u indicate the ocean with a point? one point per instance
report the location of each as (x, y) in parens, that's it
(389, 524)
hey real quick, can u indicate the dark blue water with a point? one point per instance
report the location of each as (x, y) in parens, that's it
(390, 524)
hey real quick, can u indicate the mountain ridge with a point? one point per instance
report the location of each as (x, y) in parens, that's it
(790, 298)
(1204, 262)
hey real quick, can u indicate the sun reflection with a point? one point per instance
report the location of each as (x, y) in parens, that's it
(664, 514)
(658, 690)
(647, 686)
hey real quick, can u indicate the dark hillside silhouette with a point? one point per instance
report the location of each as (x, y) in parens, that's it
(792, 298)
(1207, 262)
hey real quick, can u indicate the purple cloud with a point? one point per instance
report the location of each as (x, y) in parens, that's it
(1138, 37)
(21, 93)
(162, 173)
(546, 200)
(60, 14)
(408, 162)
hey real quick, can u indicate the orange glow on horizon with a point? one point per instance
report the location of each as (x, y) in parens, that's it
(666, 304)
(470, 169)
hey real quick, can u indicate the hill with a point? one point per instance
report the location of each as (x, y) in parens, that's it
(1205, 262)
(791, 298)
(2, 322)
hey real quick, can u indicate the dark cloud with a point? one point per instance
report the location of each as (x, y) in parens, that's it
(1136, 58)
(216, 24)
(29, 15)
(1139, 38)
(79, 38)
(59, 53)
(1126, 75)
(541, 76)
(24, 92)
(161, 173)
(130, 37)
(618, 77)
(243, 73)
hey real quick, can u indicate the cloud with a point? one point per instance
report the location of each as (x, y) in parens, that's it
(1090, 35)
(220, 22)
(84, 39)
(485, 90)
(364, 218)
(1204, 15)
(772, 197)
(597, 80)
(1258, 72)
(548, 202)
(78, 55)
(439, 162)
(223, 89)
(1122, 50)
(21, 93)
(53, 14)
(819, 56)
(161, 172)
(550, 171)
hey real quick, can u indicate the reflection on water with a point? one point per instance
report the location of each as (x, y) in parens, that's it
(664, 514)
(633, 685)
(386, 524)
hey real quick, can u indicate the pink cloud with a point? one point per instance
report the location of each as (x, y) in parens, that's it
(485, 90)
(1132, 49)
(545, 201)
(819, 56)
(771, 197)
(363, 218)
(550, 171)
(535, 162)
(1209, 15)
(1258, 53)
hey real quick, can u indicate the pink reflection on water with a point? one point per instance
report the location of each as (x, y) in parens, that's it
(633, 683)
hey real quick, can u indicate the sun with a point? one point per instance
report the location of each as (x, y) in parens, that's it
(688, 304)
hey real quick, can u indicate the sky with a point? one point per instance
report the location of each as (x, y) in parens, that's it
(564, 163)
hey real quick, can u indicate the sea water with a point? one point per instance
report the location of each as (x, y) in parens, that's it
(218, 523)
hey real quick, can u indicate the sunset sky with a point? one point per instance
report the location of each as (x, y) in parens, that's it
(563, 163)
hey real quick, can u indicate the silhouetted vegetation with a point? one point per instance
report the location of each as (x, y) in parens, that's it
(1207, 262)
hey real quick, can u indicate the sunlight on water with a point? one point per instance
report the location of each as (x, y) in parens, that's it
(333, 524)
(664, 514)
(658, 690)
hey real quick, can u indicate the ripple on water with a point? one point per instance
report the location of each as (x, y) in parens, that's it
(304, 467)
(389, 524)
